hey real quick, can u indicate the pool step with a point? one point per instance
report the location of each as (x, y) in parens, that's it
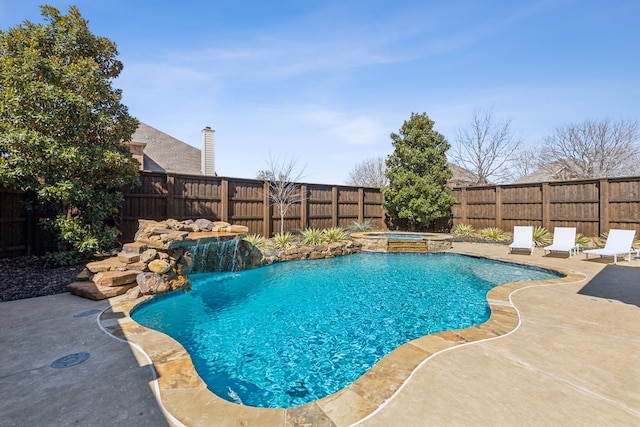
(415, 246)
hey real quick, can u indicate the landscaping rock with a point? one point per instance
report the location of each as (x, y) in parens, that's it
(96, 292)
(159, 266)
(151, 283)
(84, 275)
(115, 278)
(128, 257)
(204, 224)
(106, 265)
(135, 247)
(148, 255)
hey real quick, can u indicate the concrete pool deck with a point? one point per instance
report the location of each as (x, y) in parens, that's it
(571, 360)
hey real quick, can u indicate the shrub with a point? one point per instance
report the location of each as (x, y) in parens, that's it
(541, 237)
(256, 240)
(312, 236)
(334, 234)
(492, 233)
(283, 240)
(463, 230)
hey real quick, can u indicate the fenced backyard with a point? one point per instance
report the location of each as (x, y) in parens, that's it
(592, 206)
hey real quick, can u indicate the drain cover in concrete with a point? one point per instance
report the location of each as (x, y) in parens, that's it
(86, 313)
(70, 360)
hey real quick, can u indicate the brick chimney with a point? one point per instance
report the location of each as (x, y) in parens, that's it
(208, 151)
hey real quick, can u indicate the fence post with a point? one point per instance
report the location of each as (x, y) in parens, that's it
(224, 200)
(304, 207)
(463, 205)
(360, 204)
(266, 211)
(334, 206)
(546, 206)
(170, 197)
(499, 207)
(604, 203)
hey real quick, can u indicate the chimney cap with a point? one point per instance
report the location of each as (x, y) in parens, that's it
(208, 127)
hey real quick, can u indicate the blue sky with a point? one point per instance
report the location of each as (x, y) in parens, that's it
(324, 83)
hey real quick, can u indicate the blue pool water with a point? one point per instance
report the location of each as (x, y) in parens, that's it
(291, 333)
(401, 236)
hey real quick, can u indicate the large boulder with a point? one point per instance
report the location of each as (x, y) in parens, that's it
(152, 283)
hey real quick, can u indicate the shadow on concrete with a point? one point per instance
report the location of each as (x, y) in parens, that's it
(615, 282)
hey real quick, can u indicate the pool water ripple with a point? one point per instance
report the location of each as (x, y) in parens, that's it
(291, 333)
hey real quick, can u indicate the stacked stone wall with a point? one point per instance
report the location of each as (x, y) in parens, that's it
(160, 258)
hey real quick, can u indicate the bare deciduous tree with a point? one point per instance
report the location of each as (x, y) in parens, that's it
(485, 148)
(526, 161)
(596, 149)
(369, 173)
(284, 189)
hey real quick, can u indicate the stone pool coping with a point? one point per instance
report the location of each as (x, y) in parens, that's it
(188, 402)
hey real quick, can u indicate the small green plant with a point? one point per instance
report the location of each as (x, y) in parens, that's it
(463, 230)
(283, 240)
(256, 240)
(493, 234)
(312, 236)
(360, 226)
(541, 237)
(334, 234)
(582, 240)
(63, 259)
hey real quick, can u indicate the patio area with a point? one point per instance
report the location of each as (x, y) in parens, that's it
(572, 360)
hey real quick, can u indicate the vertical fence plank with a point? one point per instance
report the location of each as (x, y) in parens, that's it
(546, 206)
(604, 198)
(304, 207)
(224, 200)
(334, 206)
(266, 211)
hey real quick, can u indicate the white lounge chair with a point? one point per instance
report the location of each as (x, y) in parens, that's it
(522, 238)
(619, 242)
(564, 240)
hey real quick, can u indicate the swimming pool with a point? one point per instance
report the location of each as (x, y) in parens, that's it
(290, 333)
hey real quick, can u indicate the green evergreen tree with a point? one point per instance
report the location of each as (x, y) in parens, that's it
(418, 173)
(62, 126)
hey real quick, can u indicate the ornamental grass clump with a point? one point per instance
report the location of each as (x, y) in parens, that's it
(256, 240)
(283, 240)
(463, 230)
(312, 236)
(541, 237)
(334, 235)
(492, 234)
(361, 226)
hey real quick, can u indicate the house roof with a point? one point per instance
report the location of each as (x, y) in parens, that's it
(164, 153)
(554, 171)
(461, 176)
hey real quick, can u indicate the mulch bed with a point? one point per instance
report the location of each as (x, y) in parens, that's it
(26, 277)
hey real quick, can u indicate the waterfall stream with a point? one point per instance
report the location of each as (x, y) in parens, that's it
(215, 256)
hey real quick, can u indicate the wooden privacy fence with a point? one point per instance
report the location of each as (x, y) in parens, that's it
(245, 202)
(592, 206)
(19, 230)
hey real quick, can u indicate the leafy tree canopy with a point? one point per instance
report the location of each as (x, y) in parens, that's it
(62, 125)
(418, 173)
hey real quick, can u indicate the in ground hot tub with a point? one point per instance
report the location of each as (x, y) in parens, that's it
(394, 241)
